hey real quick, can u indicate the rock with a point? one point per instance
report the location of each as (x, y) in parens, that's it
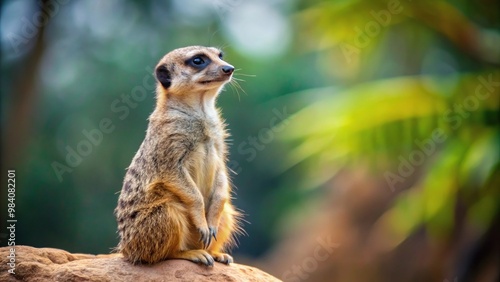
(48, 264)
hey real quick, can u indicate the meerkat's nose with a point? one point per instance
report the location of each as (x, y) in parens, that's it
(228, 69)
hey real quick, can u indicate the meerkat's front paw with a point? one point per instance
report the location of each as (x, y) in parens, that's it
(205, 237)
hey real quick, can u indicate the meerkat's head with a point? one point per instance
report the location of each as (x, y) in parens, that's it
(194, 70)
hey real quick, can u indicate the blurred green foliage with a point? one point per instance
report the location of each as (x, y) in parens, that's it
(416, 98)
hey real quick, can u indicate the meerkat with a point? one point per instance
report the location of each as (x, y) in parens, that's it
(175, 201)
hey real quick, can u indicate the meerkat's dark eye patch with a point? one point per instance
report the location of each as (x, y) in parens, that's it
(163, 76)
(198, 61)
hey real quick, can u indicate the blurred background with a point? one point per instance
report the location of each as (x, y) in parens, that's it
(365, 142)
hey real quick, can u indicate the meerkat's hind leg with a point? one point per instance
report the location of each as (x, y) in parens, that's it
(175, 215)
(222, 257)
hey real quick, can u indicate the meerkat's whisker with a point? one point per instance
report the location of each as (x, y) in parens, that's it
(238, 86)
(235, 90)
(244, 74)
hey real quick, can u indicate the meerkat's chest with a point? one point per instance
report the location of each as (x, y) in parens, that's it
(203, 166)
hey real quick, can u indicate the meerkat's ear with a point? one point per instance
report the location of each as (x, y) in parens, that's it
(163, 76)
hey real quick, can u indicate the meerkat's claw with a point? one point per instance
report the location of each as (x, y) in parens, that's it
(205, 237)
(213, 232)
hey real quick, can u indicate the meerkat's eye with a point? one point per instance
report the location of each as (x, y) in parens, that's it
(198, 61)
(221, 55)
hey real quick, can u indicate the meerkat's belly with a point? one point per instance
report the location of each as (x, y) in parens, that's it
(204, 163)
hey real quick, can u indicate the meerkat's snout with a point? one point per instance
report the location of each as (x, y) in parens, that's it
(227, 72)
(227, 69)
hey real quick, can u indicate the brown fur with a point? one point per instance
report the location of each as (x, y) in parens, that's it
(175, 200)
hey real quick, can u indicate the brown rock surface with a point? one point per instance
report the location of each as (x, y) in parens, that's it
(48, 264)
